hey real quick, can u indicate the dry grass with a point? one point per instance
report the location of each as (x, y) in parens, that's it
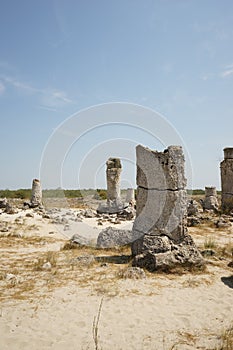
(210, 243)
(226, 340)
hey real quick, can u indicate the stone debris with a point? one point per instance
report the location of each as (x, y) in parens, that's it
(134, 273)
(3, 203)
(161, 240)
(80, 240)
(85, 260)
(223, 223)
(226, 167)
(10, 209)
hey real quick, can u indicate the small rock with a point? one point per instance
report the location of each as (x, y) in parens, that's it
(208, 252)
(134, 273)
(29, 215)
(78, 239)
(10, 276)
(84, 260)
(47, 266)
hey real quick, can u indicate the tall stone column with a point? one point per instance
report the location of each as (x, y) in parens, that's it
(113, 173)
(226, 167)
(36, 197)
(160, 228)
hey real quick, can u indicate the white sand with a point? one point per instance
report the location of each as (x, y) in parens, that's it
(155, 313)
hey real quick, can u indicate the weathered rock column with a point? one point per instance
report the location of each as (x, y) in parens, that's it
(160, 227)
(113, 173)
(227, 180)
(211, 201)
(36, 197)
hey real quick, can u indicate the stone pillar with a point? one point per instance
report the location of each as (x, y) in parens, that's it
(227, 180)
(211, 201)
(36, 198)
(113, 173)
(160, 227)
(130, 196)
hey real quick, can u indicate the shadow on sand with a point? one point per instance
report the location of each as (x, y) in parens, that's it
(228, 281)
(115, 259)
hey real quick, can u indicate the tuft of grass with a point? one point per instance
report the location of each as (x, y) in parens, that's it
(210, 243)
(50, 256)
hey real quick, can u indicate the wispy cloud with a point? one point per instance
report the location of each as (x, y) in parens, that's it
(2, 88)
(227, 71)
(48, 97)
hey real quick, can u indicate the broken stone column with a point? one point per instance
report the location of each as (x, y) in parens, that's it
(211, 201)
(160, 228)
(226, 167)
(113, 173)
(36, 197)
(130, 196)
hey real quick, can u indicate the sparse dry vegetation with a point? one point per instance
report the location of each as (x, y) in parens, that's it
(226, 339)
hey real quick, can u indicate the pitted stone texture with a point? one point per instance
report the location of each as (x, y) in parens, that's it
(161, 213)
(36, 198)
(227, 180)
(169, 167)
(111, 237)
(166, 255)
(161, 221)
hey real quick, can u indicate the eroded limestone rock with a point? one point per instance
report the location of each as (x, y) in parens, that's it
(161, 217)
(227, 180)
(36, 198)
(211, 201)
(113, 173)
(111, 237)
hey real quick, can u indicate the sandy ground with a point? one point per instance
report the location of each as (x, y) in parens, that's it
(55, 308)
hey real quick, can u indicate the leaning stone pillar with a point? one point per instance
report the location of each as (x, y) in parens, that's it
(160, 228)
(36, 197)
(227, 180)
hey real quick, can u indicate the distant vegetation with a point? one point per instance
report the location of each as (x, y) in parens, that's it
(25, 193)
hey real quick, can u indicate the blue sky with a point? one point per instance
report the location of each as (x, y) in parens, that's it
(61, 57)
